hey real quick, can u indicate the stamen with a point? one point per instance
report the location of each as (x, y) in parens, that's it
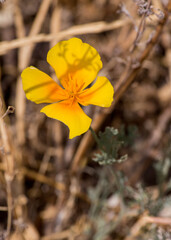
(81, 86)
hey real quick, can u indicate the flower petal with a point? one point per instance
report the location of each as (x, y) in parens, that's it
(41, 88)
(70, 114)
(75, 58)
(100, 94)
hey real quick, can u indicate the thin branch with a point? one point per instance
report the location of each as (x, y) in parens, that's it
(96, 27)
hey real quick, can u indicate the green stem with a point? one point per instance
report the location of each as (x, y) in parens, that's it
(95, 136)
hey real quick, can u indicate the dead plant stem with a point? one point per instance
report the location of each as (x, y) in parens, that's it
(90, 28)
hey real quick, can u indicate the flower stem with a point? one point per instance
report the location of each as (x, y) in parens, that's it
(95, 136)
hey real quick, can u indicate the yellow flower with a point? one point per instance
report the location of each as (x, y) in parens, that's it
(76, 65)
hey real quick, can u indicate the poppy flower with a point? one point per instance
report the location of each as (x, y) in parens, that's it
(76, 65)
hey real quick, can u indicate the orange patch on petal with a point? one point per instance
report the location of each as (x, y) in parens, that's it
(100, 94)
(41, 88)
(71, 114)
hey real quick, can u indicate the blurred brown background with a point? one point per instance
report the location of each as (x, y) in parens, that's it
(49, 186)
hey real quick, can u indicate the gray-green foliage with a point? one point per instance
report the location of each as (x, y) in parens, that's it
(162, 169)
(99, 207)
(110, 143)
(160, 234)
(145, 200)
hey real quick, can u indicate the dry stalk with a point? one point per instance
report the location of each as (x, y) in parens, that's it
(42, 169)
(141, 28)
(24, 58)
(8, 160)
(136, 227)
(164, 92)
(24, 55)
(158, 220)
(20, 30)
(5, 209)
(72, 233)
(43, 179)
(90, 28)
(55, 25)
(143, 221)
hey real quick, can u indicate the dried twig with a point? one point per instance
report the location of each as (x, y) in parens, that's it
(90, 28)
(143, 221)
(25, 55)
(72, 233)
(5, 209)
(158, 220)
(43, 179)
(56, 126)
(8, 159)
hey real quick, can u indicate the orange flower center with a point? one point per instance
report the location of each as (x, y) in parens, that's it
(73, 88)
